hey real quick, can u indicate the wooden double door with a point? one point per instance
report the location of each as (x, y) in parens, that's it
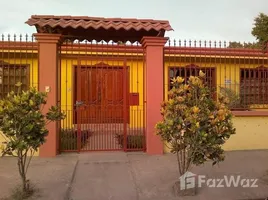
(100, 94)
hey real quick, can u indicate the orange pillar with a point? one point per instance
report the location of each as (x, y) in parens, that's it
(48, 75)
(154, 90)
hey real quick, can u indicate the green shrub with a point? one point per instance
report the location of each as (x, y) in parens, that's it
(23, 125)
(133, 141)
(194, 125)
(68, 139)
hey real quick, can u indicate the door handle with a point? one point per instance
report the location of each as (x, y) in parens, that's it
(79, 103)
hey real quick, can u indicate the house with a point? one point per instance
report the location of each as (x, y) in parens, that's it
(109, 75)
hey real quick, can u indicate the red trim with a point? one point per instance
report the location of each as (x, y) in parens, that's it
(250, 113)
(5, 45)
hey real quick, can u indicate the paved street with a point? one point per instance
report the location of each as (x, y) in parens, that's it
(132, 176)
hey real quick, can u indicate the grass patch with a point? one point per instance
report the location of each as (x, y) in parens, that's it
(18, 194)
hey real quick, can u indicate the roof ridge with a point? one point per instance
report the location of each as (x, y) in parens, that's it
(97, 18)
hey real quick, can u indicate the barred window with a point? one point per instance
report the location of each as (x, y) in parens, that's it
(193, 70)
(11, 74)
(254, 85)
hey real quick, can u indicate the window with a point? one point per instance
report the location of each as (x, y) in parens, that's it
(10, 75)
(193, 70)
(254, 85)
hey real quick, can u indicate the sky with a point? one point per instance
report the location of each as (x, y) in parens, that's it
(230, 20)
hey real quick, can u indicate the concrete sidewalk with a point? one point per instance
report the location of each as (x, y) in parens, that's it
(132, 176)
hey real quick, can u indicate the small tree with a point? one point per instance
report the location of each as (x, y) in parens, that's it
(260, 29)
(194, 125)
(23, 125)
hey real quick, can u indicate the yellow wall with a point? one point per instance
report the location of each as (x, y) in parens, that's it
(250, 130)
(33, 77)
(136, 86)
(224, 73)
(251, 133)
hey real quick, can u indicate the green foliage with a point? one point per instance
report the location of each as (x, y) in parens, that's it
(260, 29)
(23, 125)
(248, 45)
(133, 141)
(18, 194)
(194, 125)
(68, 139)
(234, 100)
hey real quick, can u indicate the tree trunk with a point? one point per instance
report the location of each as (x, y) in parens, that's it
(21, 165)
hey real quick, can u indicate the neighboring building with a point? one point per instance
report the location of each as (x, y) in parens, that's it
(113, 89)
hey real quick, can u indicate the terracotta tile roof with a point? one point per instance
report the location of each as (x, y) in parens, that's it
(96, 23)
(94, 28)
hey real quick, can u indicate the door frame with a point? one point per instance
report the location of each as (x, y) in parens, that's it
(126, 93)
(126, 73)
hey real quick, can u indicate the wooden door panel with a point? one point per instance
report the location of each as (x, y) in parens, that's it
(101, 90)
(112, 99)
(89, 95)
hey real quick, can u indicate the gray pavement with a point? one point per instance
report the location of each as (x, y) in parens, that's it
(132, 176)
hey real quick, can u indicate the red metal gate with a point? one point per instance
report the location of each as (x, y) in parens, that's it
(100, 105)
(107, 106)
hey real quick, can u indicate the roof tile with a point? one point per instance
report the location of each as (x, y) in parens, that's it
(97, 22)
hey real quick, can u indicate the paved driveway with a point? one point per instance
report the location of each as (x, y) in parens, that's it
(133, 176)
